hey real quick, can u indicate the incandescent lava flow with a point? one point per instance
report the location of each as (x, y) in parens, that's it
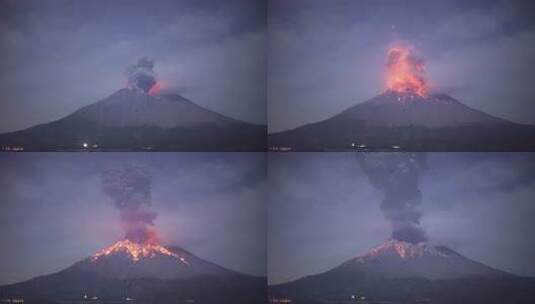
(136, 251)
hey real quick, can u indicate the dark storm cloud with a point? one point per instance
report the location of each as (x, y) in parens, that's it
(57, 56)
(323, 210)
(327, 56)
(54, 211)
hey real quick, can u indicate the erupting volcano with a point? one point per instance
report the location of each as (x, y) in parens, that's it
(137, 251)
(406, 268)
(407, 117)
(144, 273)
(402, 272)
(141, 76)
(129, 187)
(139, 267)
(144, 115)
(406, 73)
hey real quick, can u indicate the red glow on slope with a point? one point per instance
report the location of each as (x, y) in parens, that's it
(402, 249)
(406, 73)
(156, 88)
(137, 251)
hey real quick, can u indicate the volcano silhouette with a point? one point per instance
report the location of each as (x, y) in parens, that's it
(132, 120)
(401, 272)
(177, 277)
(408, 122)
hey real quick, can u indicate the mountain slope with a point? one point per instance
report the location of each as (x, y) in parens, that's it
(400, 272)
(156, 262)
(171, 276)
(396, 259)
(407, 121)
(405, 109)
(129, 108)
(133, 120)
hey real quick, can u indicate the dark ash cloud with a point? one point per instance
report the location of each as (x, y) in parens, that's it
(129, 188)
(141, 75)
(396, 175)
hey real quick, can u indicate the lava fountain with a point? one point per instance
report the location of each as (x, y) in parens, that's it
(406, 72)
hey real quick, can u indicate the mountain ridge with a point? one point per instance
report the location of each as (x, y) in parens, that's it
(167, 276)
(131, 120)
(139, 109)
(407, 122)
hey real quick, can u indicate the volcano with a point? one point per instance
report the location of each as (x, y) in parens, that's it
(402, 272)
(141, 273)
(134, 120)
(406, 121)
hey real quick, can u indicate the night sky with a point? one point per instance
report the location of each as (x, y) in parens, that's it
(322, 210)
(326, 56)
(54, 213)
(57, 56)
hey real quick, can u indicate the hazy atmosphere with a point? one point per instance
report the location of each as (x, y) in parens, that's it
(58, 56)
(323, 210)
(325, 56)
(54, 211)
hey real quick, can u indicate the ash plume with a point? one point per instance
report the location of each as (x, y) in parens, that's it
(406, 72)
(396, 176)
(129, 188)
(141, 75)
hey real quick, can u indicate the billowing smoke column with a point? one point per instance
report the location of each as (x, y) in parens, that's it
(129, 188)
(141, 75)
(396, 175)
(406, 73)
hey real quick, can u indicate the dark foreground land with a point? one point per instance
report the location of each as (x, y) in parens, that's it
(246, 290)
(405, 291)
(344, 136)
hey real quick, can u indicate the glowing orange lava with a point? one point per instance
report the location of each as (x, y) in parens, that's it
(137, 251)
(155, 89)
(406, 73)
